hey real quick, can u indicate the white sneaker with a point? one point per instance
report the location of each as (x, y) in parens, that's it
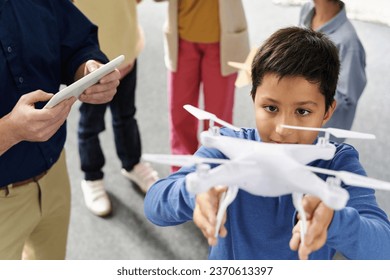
(95, 197)
(142, 174)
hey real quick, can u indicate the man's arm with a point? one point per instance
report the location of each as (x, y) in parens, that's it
(25, 123)
(8, 138)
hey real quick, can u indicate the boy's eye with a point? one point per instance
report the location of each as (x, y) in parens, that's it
(303, 112)
(271, 108)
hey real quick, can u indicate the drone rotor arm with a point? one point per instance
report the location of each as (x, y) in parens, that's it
(226, 175)
(363, 181)
(333, 196)
(305, 154)
(339, 133)
(226, 124)
(181, 160)
(203, 115)
(231, 147)
(353, 179)
(198, 113)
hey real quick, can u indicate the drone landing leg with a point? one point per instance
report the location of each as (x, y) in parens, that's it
(297, 200)
(225, 200)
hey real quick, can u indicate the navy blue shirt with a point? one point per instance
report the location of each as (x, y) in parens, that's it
(42, 44)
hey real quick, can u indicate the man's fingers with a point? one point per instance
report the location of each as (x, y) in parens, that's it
(102, 87)
(105, 90)
(98, 98)
(100, 93)
(60, 111)
(35, 96)
(51, 122)
(110, 77)
(91, 66)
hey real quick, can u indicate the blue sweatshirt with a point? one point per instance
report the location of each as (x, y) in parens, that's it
(260, 227)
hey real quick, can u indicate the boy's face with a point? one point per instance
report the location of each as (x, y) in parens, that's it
(290, 101)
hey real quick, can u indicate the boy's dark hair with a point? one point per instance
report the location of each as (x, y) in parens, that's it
(298, 52)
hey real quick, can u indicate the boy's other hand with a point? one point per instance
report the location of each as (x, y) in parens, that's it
(319, 217)
(205, 214)
(104, 90)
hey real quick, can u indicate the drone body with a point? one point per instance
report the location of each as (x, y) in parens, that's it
(278, 169)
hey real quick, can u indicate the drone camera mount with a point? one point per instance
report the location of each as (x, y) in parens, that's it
(214, 130)
(324, 140)
(333, 182)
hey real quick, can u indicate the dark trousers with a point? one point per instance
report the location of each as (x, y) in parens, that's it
(125, 127)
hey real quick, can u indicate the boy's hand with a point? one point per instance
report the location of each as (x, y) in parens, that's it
(319, 217)
(103, 91)
(205, 214)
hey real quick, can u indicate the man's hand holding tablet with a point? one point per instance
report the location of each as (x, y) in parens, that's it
(97, 86)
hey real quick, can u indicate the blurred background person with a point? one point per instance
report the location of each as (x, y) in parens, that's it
(201, 36)
(329, 17)
(119, 33)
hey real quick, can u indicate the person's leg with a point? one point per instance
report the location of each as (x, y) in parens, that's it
(183, 88)
(125, 127)
(92, 158)
(91, 123)
(218, 90)
(20, 212)
(126, 133)
(47, 240)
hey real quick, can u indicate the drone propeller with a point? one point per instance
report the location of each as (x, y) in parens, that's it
(203, 115)
(181, 160)
(339, 133)
(353, 179)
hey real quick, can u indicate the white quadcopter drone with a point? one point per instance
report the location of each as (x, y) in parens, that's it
(247, 157)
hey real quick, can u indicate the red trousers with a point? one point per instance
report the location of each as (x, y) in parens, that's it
(198, 64)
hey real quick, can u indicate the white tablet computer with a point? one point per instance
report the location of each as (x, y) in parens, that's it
(85, 82)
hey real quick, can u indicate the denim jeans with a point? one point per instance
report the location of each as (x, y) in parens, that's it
(125, 128)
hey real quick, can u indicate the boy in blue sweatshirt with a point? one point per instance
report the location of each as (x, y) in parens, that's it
(294, 79)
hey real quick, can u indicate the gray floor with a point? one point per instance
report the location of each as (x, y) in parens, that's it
(127, 234)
